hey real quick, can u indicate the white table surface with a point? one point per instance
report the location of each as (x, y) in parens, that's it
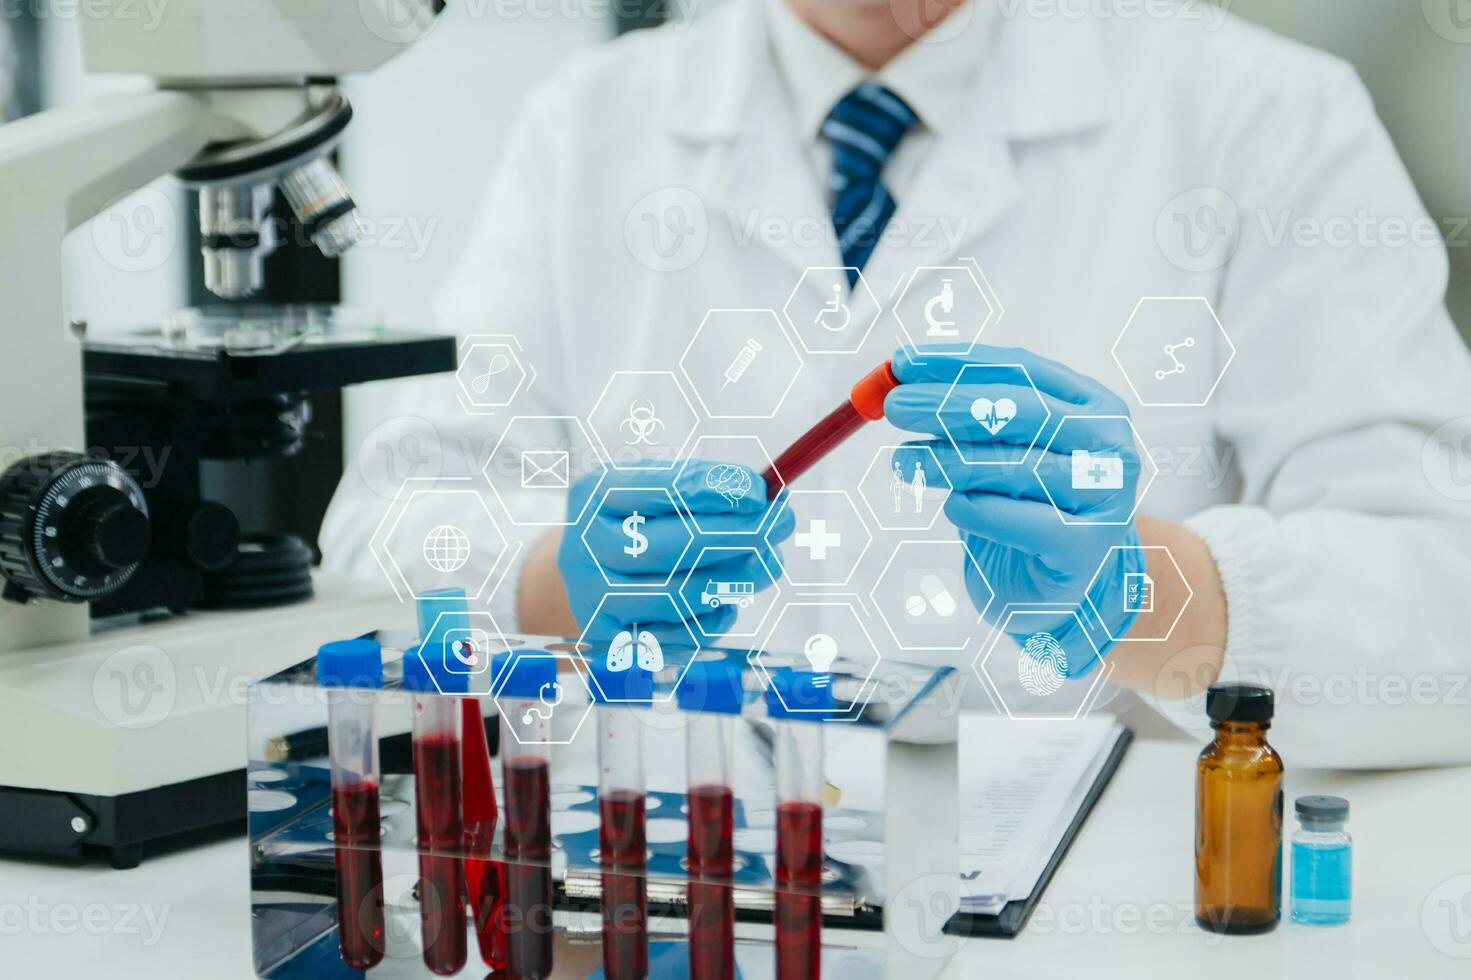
(1118, 907)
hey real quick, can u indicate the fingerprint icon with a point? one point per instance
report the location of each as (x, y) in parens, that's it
(1042, 665)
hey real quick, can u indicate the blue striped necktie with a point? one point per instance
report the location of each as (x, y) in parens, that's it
(863, 128)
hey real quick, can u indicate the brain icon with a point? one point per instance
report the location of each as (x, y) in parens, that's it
(731, 482)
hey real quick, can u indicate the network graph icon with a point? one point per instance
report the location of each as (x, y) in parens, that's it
(1177, 366)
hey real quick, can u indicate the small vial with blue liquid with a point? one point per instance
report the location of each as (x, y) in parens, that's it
(1322, 862)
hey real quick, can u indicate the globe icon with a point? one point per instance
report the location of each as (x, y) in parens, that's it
(446, 548)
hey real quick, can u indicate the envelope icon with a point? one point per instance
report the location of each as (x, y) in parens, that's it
(545, 469)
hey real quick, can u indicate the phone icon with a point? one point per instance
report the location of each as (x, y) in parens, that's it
(466, 651)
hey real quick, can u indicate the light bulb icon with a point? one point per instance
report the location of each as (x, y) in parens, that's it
(821, 650)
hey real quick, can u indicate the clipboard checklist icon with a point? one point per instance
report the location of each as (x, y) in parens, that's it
(546, 469)
(1138, 592)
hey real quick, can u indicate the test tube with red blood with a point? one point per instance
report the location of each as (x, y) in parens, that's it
(798, 702)
(436, 732)
(352, 748)
(622, 820)
(865, 403)
(528, 689)
(445, 627)
(712, 696)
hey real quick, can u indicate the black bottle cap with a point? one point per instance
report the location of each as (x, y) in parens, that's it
(1321, 809)
(1239, 702)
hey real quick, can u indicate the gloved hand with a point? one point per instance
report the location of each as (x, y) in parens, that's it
(1030, 551)
(730, 523)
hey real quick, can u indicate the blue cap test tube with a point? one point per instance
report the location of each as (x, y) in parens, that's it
(622, 816)
(529, 693)
(712, 695)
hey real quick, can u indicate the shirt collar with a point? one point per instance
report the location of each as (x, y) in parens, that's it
(933, 75)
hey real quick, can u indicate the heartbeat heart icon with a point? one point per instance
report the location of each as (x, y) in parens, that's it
(993, 416)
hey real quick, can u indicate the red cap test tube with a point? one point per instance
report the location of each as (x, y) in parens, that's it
(865, 404)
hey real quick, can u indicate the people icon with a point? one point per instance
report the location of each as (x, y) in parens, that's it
(914, 487)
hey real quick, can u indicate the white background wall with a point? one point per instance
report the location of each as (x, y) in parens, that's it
(427, 129)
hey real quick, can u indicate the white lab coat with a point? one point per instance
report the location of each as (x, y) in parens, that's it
(1344, 553)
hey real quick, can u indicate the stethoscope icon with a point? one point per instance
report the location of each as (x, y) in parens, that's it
(544, 711)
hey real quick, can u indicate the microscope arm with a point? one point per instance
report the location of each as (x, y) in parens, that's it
(57, 169)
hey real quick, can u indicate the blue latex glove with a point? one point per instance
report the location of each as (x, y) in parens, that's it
(725, 523)
(1018, 538)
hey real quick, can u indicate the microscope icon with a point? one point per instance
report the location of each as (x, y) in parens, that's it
(945, 301)
(834, 316)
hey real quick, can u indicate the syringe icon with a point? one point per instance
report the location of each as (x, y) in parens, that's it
(741, 362)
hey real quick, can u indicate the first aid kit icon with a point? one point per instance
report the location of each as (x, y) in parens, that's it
(1097, 471)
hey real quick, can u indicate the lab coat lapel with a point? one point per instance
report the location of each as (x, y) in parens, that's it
(758, 187)
(1042, 78)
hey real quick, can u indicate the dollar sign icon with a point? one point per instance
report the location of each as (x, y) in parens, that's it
(637, 543)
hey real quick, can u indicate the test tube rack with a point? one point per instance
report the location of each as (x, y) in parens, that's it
(890, 874)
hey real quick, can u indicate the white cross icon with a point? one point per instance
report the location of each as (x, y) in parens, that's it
(817, 539)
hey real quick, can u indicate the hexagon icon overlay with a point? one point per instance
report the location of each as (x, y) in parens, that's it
(830, 540)
(922, 596)
(468, 648)
(1009, 670)
(946, 304)
(1173, 351)
(736, 450)
(826, 315)
(704, 592)
(440, 534)
(572, 697)
(533, 465)
(1139, 593)
(625, 527)
(986, 400)
(664, 645)
(899, 500)
(643, 420)
(1089, 469)
(842, 647)
(741, 364)
(492, 373)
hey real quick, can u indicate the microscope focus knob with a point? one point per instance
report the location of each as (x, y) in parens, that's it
(72, 527)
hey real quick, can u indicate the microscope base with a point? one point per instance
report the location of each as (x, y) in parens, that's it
(138, 735)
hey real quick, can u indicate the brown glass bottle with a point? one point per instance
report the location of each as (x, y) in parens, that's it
(1238, 815)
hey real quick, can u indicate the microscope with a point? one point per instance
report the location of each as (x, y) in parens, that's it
(135, 612)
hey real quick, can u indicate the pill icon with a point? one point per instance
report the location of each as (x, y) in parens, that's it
(932, 596)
